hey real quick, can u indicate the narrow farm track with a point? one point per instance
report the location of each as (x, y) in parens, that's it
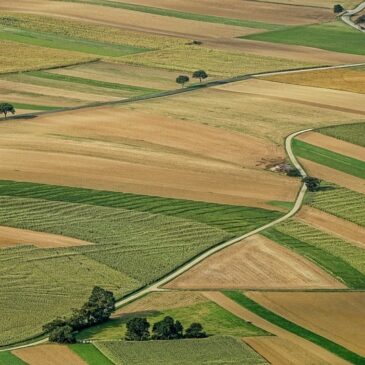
(346, 17)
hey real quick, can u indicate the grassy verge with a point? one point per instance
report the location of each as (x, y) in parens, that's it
(332, 263)
(180, 14)
(91, 82)
(66, 43)
(353, 133)
(329, 158)
(90, 354)
(329, 345)
(7, 358)
(336, 37)
(33, 106)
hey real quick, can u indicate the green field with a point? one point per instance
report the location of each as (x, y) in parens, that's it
(33, 107)
(329, 345)
(135, 240)
(353, 133)
(215, 320)
(213, 350)
(329, 158)
(181, 15)
(90, 354)
(340, 258)
(335, 36)
(7, 358)
(339, 201)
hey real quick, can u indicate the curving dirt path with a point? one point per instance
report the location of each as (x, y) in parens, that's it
(348, 14)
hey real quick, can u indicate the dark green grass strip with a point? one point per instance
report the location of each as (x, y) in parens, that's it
(233, 219)
(335, 265)
(274, 318)
(69, 44)
(97, 83)
(333, 37)
(7, 358)
(90, 354)
(33, 106)
(353, 133)
(329, 158)
(181, 15)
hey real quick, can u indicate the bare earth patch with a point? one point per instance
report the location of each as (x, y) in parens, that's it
(49, 355)
(279, 351)
(334, 144)
(255, 263)
(121, 149)
(335, 176)
(337, 316)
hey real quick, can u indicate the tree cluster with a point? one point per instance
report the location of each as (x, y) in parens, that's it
(97, 309)
(313, 184)
(138, 329)
(199, 74)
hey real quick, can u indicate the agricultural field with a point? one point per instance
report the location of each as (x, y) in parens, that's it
(352, 133)
(226, 350)
(317, 3)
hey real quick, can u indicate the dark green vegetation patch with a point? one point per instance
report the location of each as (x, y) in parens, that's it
(90, 354)
(274, 318)
(353, 133)
(7, 358)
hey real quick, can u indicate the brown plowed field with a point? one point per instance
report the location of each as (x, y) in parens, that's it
(256, 263)
(125, 150)
(346, 79)
(242, 9)
(49, 355)
(241, 312)
(126, 19)
(335, 176)
(279, 351)
(316, 3)
(333, 225)
(330, 99)
(337, 316)
(334, 144)
(14, 236)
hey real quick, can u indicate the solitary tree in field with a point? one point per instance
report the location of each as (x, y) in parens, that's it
(200, 74)
(337, 9)
(182, 80)
(6, 108)
(137, 330)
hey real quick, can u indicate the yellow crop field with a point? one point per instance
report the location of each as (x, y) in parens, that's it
(21, 57)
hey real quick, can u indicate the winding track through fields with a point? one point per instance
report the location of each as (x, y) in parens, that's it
(346, 17)
(156, 286)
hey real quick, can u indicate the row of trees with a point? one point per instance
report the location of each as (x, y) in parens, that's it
(138, 329)
(97, 309)
(183, 79)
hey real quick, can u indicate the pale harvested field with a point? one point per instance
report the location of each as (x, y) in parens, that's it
(346, 79)
(279, 351)
(255, 263)
(292, 52)
(126, 19)
(335, 176)
(160, 301)
(13, 236)
(124, 74)
(331, 224)
(241, 312)
(334, 144)
(241, 9)
(324, 98)
(256, 115)
(317, 3)
(125, 150)
(339, 317)
(49, 355)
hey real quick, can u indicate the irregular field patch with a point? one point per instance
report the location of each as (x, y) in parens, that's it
(48, 355)
(315, 311)
(7, 358)
(90, 354)
(255, 262)
(353, 133)
(226, 350)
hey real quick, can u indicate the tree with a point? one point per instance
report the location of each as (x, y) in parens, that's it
(313, 184)
(200, 74)
(58, 322)
(337, 9)
(62, 334)
(137, 330)
(182, 80)
(195, 331)
(6, 108)
(167, 329)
